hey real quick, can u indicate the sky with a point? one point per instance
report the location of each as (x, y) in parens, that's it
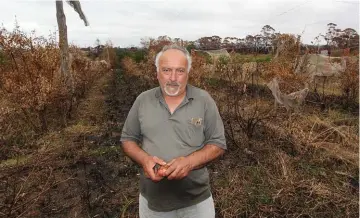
(124, 23)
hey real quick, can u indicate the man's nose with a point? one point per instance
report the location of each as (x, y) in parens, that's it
(173, 76)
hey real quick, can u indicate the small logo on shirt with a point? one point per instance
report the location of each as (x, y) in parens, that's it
(196, 121)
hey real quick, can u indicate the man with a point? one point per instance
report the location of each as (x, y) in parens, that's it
(177, 126)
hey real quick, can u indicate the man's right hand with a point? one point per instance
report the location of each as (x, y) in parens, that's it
(148, 166)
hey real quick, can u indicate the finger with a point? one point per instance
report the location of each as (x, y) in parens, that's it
(174, 174)
(171, 162)
(153, 175)
(150, 172)
(172, 165)
(157, 178)
(158, 160)
(179, 175)
(161, 171)
(183, 173)
(170, 169)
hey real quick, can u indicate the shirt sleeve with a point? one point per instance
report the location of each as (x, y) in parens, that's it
(214, 127)
(131, 130)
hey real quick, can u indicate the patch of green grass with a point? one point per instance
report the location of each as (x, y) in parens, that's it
(253, 58)
(258, 189)
(311, 169)
(338, 115)
(212, 81)
(258, 195)
(14, 161)
(263, 59)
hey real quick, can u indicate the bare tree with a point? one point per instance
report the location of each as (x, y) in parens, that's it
(66, 76)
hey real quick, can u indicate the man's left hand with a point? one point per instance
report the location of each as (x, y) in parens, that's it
(178, 168)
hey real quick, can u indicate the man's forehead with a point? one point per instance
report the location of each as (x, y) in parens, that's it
(173, 54)
(173, 62)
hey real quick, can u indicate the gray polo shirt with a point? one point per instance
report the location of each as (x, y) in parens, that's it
(195, 123)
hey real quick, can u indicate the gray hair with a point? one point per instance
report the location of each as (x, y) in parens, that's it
(177, 47)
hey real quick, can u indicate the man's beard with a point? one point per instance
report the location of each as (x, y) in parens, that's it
(172, 88)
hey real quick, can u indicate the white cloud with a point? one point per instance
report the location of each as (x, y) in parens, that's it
(125, 22)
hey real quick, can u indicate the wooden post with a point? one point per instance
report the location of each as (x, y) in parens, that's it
(65, 74)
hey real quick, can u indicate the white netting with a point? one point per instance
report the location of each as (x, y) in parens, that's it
(292, 100)
(320, 66)
(215, 54)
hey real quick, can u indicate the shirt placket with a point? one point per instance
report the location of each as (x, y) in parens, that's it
(183, 103)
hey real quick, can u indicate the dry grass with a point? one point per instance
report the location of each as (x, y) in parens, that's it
(291, 174)
(63, 176)
(302, 164)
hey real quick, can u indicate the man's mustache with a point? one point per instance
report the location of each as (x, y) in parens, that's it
(173, 84)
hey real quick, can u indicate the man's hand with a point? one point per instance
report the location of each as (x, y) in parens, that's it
(178, 168)
(148, 166)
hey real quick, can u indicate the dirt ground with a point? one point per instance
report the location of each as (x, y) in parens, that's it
(80, 171)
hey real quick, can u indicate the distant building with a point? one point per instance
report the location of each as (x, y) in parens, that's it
(324, 52)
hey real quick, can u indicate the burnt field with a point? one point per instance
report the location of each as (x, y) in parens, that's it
(299, 164)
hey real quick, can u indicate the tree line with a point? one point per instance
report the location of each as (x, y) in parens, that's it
(266, 41)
